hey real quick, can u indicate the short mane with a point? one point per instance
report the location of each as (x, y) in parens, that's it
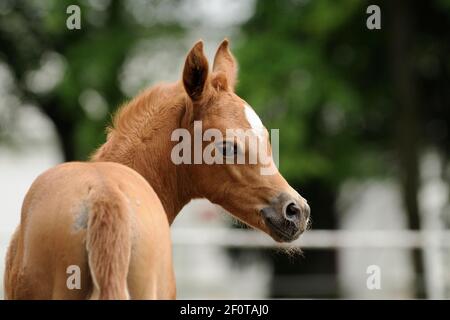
(132, 117)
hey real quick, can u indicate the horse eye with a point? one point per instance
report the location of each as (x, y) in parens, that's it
(228, 149)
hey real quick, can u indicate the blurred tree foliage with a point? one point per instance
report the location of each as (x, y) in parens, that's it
(313, 69)
(93, 59)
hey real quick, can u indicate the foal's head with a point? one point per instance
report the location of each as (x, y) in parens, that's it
(254, 192)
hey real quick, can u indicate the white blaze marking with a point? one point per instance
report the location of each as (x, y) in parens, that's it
(254, 121)
(261, 134)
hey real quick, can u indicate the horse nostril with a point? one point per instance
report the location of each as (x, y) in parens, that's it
(292, 211)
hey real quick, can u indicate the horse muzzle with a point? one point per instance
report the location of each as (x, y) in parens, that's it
(286, 217)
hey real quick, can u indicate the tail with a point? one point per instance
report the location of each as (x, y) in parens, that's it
(108, 243)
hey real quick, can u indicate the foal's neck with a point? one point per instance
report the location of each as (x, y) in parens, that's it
(140, 139)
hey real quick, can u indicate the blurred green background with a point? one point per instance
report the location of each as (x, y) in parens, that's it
(352, 104)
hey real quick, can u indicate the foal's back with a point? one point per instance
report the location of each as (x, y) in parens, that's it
(100, 217)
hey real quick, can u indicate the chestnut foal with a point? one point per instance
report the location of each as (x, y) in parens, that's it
(110, 217)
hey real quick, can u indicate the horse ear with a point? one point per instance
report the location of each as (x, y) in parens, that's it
(225, 63)
(195, 72)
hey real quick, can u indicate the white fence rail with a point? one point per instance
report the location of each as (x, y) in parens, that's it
(318, 239)
(431, 242)
(314, 239)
